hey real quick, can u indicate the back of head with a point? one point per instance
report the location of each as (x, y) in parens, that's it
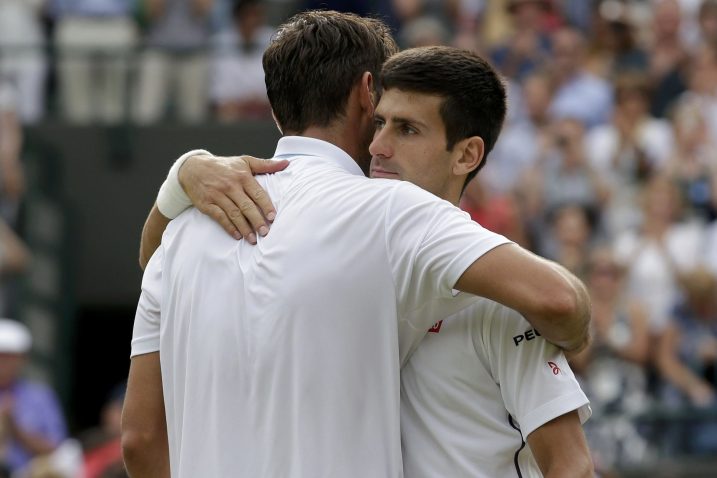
(474, 99)
(313, 62)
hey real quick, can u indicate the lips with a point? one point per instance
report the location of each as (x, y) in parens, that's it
(382, 173)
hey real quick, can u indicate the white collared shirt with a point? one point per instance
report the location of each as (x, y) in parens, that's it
(282, 359)
(478, 384)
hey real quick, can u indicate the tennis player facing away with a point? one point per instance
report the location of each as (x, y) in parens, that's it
(483, 381)
(272, 360)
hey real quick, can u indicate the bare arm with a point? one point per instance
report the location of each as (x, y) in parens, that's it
(675, 372)
(15, 256)
(223, 188)
(152, 232)
(560, 448)
(13, 177)
(34, 443)
(144, 429)
(552, 299)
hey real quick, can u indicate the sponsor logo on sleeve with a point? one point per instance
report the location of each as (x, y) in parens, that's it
(554, 367)
(436, 327)
(526, 337)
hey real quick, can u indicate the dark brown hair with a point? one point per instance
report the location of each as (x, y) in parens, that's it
(474, 101)
(315, 59)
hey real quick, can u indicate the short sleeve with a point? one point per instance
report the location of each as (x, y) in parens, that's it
(536, 382)
(430, 244)
(145, 335)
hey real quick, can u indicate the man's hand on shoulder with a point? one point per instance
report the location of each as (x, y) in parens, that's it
(224, 188)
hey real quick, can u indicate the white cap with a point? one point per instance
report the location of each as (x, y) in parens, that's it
(15, 337)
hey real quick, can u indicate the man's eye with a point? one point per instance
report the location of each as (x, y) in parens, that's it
(408, 130)
(378, 123)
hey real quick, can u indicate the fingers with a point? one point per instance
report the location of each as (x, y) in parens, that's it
(260, 206)
(262, 166)
(252, 202)
(218, 214)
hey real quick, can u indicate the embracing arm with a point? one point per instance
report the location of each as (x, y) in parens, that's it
(144, 429)
(560, 448)
(552, 299)
(223, 188)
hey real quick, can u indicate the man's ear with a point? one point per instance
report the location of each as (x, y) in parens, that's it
(366, 93)
(469, 154)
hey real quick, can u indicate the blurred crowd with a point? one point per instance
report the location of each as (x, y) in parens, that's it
(607, 163)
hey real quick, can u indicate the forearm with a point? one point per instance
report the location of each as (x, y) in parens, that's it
(573, 469)
(569, 326)
(678, 375)
(33, 443)
(553, 300)
(152, 461)
(16, 255)
(152, 232)
(145, 447)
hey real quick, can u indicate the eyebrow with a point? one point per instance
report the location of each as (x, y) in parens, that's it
(401, 120)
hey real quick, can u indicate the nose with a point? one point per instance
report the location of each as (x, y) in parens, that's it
(380, 146)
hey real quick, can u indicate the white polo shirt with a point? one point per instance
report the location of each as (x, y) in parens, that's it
(477, 385)
(282, 359)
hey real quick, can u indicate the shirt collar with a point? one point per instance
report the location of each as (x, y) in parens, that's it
(303, 146)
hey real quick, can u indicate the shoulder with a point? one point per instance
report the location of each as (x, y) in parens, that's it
(487, 317)
(405, 194)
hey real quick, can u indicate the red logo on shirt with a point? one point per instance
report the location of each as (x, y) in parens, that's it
(436, 327)
(554, 367)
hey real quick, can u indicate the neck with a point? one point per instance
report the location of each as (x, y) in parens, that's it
(339, 135)
(454, 194)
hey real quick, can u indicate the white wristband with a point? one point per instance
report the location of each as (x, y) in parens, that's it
(172, 199)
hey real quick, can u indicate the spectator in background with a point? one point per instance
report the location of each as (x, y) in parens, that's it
(668, 56)
(14, 259)
(692, 166)
(529, 45)
(614, 48)
(565, 177)
(22, 55)
(497, 212)
(612, 368)
(703, 86)
(570, 237)
(579, 94)
(31, 421)
(12, 178)
(103, 450)
(656, 252)
(687, 355)
(94, 39)
(237, 88)
(424, 31)
(173, 68)
(525, 140)
(707, 20)
(626, 151)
